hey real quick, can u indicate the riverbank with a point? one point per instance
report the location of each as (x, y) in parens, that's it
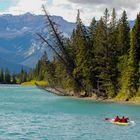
(61, 92)
(135, 100)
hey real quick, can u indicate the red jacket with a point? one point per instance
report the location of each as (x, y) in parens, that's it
(123, 120)
(117, 119)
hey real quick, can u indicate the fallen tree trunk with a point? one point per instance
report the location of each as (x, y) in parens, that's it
(53, 90)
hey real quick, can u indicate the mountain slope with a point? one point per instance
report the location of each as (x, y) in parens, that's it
(19, 45)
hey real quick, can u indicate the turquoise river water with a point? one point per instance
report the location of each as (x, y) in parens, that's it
(28, 113)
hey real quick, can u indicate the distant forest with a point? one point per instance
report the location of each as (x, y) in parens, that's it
(103, 58)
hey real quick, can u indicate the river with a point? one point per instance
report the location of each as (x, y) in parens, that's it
(28, 113)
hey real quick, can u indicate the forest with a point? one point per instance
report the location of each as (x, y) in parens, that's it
(102, 58)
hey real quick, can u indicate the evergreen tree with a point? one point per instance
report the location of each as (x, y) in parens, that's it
(7, 77)
(22, 76)
(1, 76)
(14, 81)
(83, 55)
(123, 35)
(92, 30)
(105, 54)
(92, 36)
(102, 52)
(137, 36)
(131, 76)
(112, 52)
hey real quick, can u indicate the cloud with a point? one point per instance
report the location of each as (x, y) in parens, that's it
(68, 8)
(113, 3)
(23, 6)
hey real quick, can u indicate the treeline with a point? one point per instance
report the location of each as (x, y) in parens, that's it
(6, 77)
(44, 70)
(103, 58)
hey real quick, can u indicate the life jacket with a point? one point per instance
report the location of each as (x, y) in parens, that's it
(123, 120)
(117, 119)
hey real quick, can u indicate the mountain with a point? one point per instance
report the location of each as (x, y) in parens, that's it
(19, 45)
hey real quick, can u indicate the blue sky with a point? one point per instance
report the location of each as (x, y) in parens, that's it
(68, 8)
(6, 4)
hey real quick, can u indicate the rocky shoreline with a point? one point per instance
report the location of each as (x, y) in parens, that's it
(62, 92)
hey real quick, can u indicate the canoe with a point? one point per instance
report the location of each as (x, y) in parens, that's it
(118, 123)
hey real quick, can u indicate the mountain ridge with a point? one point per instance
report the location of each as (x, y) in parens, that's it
(18, 40)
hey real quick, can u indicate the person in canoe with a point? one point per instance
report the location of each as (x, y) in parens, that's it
(117, 119)
(124, 120)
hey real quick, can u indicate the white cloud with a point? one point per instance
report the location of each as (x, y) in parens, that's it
(68, 8)
(23, 6)
(93, 8)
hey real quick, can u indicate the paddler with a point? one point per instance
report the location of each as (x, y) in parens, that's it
(123, 120)
(117, 119)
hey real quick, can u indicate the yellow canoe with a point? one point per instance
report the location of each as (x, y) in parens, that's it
(120, 123)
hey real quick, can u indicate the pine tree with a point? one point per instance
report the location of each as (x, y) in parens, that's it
(130, 78)
(123, 35)
(14, 81)
(7, 77)
(92, 30)
(113, 58)
(102, 53)
(22, 76)
(123, 43)
(2, 76)
(137, 35)
(129, 86)
(83, 55)
(92, 35)
(105, 54)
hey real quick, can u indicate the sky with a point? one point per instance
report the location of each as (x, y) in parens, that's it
(68, 8)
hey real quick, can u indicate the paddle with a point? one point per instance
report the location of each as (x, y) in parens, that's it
(107, 119)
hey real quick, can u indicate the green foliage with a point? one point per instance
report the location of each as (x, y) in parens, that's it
(131, 76)
(22, 76)
(123, 35)
(106, 53)
(98, 58)
(83, 54)
(1, 76)
(7, 77)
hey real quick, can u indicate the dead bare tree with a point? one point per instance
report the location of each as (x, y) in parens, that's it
(59, 47)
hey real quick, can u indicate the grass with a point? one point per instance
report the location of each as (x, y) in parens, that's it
(135, 99)
(122, 97)
(32, 83)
